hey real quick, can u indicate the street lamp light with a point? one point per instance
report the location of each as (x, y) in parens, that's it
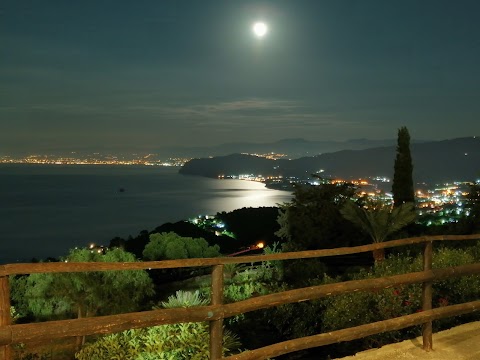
(257, 246)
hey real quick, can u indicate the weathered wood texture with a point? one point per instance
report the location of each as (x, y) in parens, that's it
(216, 326)
(427, 291)
(34, 332)
(113, 323)
(357, 332)
(17, 269)
(5, 320)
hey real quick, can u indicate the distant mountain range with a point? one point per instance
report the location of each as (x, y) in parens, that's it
(433, 162)
(294, 148)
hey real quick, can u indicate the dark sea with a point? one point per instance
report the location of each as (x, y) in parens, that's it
(45, 210)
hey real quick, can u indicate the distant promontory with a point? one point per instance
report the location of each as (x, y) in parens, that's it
(434, 161)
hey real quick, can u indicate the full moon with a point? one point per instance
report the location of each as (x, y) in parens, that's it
(260, 29)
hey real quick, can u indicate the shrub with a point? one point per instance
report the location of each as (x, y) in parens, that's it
(349, 310)
(459, 289)
(188, 341)
(172, 246)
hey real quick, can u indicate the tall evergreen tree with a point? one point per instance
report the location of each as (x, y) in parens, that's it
(402, 187)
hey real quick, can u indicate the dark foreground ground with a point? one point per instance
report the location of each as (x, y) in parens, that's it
(459, 343)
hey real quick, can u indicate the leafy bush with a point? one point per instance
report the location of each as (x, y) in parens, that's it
(172, 246)
(243, 281)
(48, 296)
(184, 299)
(188, 341)
(349, 310)
(459, 289)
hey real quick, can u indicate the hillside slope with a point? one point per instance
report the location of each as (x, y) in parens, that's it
(436, 161)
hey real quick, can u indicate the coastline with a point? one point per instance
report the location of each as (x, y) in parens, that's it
(48, 209)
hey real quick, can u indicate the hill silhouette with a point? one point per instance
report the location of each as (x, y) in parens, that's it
(295, 148)
(433, 162)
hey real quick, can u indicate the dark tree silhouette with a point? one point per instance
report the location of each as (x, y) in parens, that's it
(251, 225)
(312, 220)
(402, 187)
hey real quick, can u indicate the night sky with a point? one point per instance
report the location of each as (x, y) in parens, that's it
(149, 74)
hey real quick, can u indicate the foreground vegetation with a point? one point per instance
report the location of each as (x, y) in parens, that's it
(190, 341)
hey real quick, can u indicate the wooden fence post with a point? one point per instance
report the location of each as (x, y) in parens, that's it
(427, 296)
(216, 326)
(5, 319)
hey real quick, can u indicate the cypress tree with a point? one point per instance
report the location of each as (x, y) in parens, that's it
(402, 187)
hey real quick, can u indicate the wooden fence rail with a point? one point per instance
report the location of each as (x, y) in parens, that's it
(356, 332)
(217, 311)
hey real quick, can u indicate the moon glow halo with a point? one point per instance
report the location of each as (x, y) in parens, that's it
(260, 29)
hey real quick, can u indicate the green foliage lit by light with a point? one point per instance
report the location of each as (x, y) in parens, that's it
(257, 279)
(349, 309)
(184, 299)
(185, 341)
(379, 223)
(172, 246)
(85, 293)
(14, 315)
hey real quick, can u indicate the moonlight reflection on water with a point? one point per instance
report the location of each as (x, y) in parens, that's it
(46, 210)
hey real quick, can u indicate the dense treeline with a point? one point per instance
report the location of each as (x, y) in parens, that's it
(249, 225)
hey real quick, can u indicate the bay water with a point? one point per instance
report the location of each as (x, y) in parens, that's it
(45, 210)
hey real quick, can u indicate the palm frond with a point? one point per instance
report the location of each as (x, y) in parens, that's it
(379, 223)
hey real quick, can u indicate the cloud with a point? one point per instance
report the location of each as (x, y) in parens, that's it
(230, 108)
(244, 116)
(261, 112)
(156, 119)
(250, 105)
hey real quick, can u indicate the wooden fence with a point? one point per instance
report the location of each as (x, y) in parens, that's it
(217, 311)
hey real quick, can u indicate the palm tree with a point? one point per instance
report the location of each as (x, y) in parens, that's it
(379, 222)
